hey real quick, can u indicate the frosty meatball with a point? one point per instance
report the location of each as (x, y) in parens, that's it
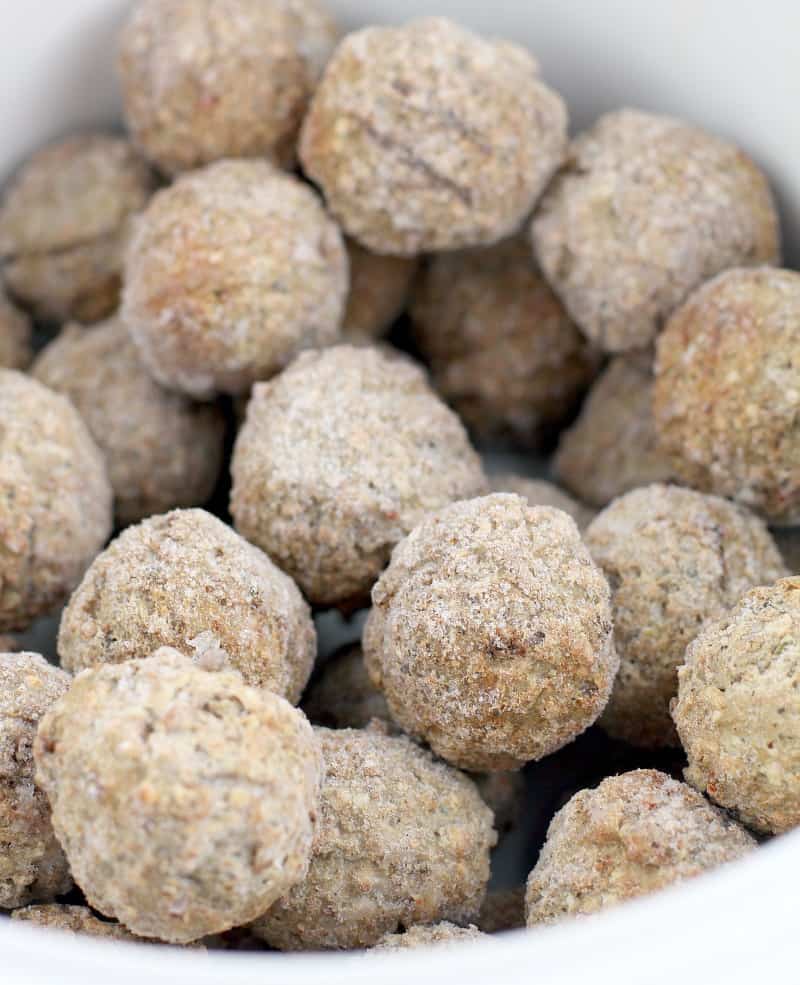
(64, 224)
(490, 633)
(402, 839)
(613, 447)
(55, 500)
(444, 933)
(647, 209)
(187, 580)
(379, 290)
(209, 794)
(427, 137)
(207, 79)
(73, 920)
(539, 492)
(503, 351)
(15, 335)
(32, 865)
(339, 458)
(726, 390)
(503, 909)
(634, 834)
(344, 695)
(231, 271)
(737, 710)
(674, 558)
(161, 450)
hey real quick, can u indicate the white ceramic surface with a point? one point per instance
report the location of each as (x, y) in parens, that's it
(728, 64)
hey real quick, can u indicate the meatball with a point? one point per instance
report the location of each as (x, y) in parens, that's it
(647, 209)
(65, 222)
(73, 920)
(207, 79)
(15, 335)
(503, 909)
(491, 635)
(344, 695)
(209, 793)
(55, 500)
(402, 839)
(444, 933)
(161, 450)
(231, 271)
(674, 558)
(503, 351)
(339, 458)
(726, 391)
(634, 834)
(539, 492)
(32, 865)
(737, 711)
(426, 137)
(379, 289)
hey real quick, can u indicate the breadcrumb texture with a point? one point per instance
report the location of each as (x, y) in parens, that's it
(161, 450)
(737, 710)
(632, 835)
(426, 137)
(503, 351)
(726, 390)
(540, 492)
(15, 335)
(503, 909)
(491, 635)
(339, 458)
(379, 291)
(402, 839)
(613, 446)
(55, 500)
(32, 865)
(64, 224)
(646, 210)
(187, 580)
(231, 271)
(73, 920)
(184, 799)
(208, 79)
(447, 934)
(674, 558)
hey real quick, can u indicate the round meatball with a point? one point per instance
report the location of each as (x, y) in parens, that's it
(444, 933)
(32, 865)
(344, 695)
(632, 835)
(15, 335)
(647, 209)
(402, 839)
(726, 390)
(55, 500)
(737, 711)
(491, 635)
(187, 580)
(73, 920)
(161, 450)
(674, 558)
(231, 271)
(339, 458)
(65, 222)
(209, 794)
(503, 909)
(613, 446)
(379, 289)
(426, 137)
(539, 492)
(207, 79)
(503, 351)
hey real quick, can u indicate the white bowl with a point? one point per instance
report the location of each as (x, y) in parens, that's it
(726, 64)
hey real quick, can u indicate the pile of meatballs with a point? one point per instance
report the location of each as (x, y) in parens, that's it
(316, 281)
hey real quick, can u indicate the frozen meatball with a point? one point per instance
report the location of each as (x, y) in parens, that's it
(490, 633)
(726, 390)
(634, 834)
(209, 794)
(503, 909)
(32, 865)
(737, 710)
(647, 209)
(339, 458)
(344, 695)
(501, 347)
(231, 271)
(187, 580)
(427, 137)
(207, 79)
(65, 222)
(444, 933)
(15, 335)
(73, 920)
(402, 839)
(161, 450)
(379, 289)
(504, 792)
(55, 500)
(613, 446)
(539, 492)
(674, 558)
